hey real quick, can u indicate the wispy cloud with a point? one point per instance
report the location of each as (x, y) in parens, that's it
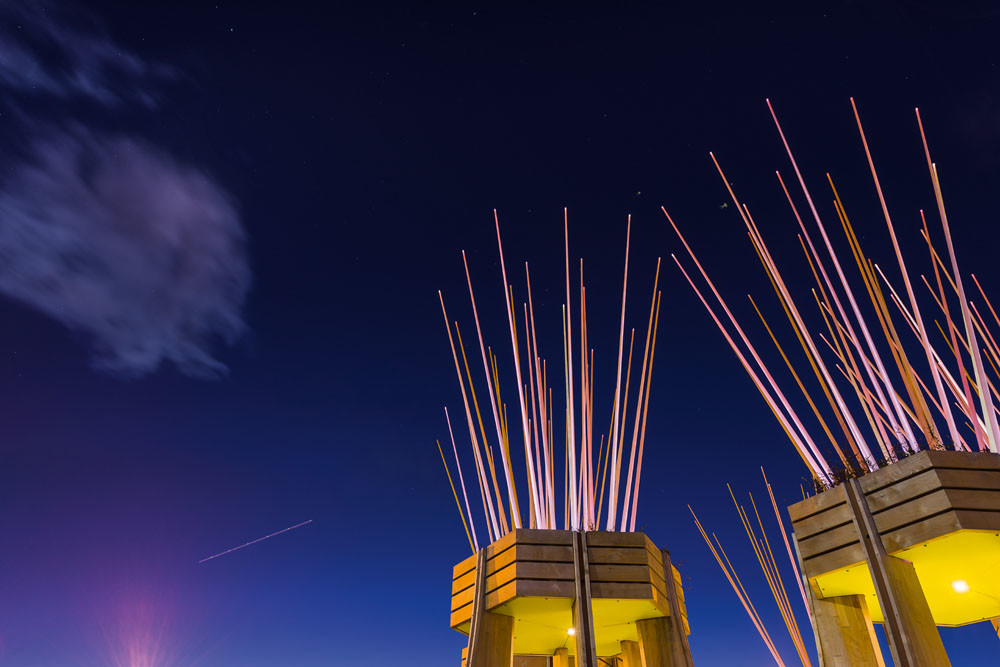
(106, 233)
(47, 49)
(114, 238)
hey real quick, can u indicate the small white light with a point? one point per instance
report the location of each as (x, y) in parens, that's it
(960, 586)
(571, 632)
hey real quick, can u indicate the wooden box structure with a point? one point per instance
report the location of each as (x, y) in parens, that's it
(536, 577)
(936, 516)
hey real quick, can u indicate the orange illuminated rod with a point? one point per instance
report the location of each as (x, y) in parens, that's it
(761, 547)
(895, 402)
(585, 505)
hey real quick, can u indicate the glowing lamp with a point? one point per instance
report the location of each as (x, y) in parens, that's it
(572, 631)
(960, 586)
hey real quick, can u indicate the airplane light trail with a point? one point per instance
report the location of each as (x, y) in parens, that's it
(259, 539)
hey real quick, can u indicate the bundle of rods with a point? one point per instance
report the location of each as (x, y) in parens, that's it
(592, 492)
(900, 411)
(895, 417)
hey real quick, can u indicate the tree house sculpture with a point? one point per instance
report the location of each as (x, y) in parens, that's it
(913, 545)
(573, 597)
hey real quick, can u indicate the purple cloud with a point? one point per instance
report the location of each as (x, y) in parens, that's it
(108, 234)
(115, 239)
(46, 49)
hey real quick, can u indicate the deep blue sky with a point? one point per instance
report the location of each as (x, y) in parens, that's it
(363, 148)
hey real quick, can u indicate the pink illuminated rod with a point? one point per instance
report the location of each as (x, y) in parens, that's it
(737, 586)
(938, 386)
(532, 485)
(512, 493)
(585, 480)
(540, 415)
(461, 481)
(817, 263)
(816, 469)
(570, 414)
(484, 487)
(645, 410)
(638, 402)
(824, 468)
(613, 493)
(907, 440)
(992, 433)
(772, 270)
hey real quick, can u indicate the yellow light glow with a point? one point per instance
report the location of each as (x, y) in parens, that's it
(571, 632)
(941, 563)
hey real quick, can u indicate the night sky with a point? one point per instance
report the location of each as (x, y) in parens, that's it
(223, 229)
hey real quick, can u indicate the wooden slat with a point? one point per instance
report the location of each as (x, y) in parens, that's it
(601, 538)
(467, 565)
(628, 591)
(460, 616)
(903, 491)
(620, 573)
(523, 552)
(969, 479)
(896, 472)
(536, 588)
(967, 460)
(815, 504)
(465, 581)
(851, 554)
(498, 597)
(827, 541)
(837, 515)
(462, 598)
(617, 555)
(530, 570)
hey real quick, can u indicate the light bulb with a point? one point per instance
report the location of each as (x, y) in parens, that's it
(960, 586)
(571, 632)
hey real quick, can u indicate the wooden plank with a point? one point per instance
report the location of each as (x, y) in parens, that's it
(918, 509)
(530, 661)
(928, 529)
(844, 630)
(621, 591)
(922, 636)
(815, 504)
(903, 491)
(968, 460)
(539, 536)
(618, 555)
(891, 474)
(978, 520)
(460, 616)
(836, 538)
(463, 598)
(503, 594)
(852, 554)
(467, 565)
(533, 552)
(561, 658)
(655, 642)
(969, 479)
(465, 581)
(678, 625)
(834, 517)
(631, 657)
(583, 608)
(530, 570)
(495, 645)
(602, 538)
(544, 589)
(620, 573)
